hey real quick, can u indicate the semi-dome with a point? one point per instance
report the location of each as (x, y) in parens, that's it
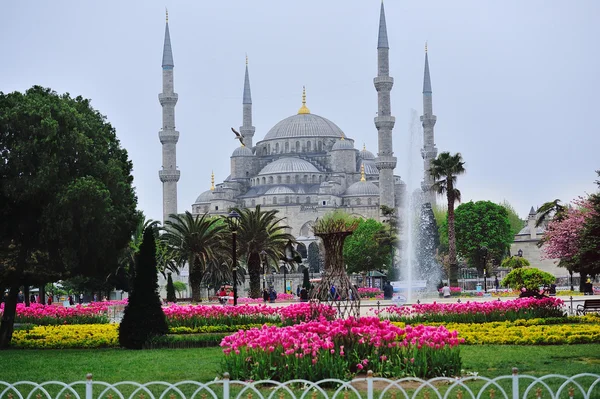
(242, 151)
(304, 125)
(204, 197)
(362, 189)
(366, 154)
(370, 168)
(289, 165)
(343, 145)
(279, 190)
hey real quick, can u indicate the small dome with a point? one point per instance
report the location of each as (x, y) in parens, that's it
(279, 190)
(304, 125)
(362, 189)
(289, 165)
(370, 168)
(343, 145)
(365, 154)
(242, 151)
(206, 196)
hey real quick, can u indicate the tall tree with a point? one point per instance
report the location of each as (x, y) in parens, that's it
(196, 240)
(362, 250)
(143, 317)
(444, 170)
(483, 233)
(259, 231)
(589, 241)
(516, 223)
(68, 205)
(315, 260)
(552, 210)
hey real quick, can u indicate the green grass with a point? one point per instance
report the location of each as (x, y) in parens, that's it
(203, 364)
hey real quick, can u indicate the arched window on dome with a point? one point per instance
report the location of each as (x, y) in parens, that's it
(277, 148)
(305, 179)
(308, 146)
(297, 200)
(314, 179)
(308, 200)
(288, 179)
(287, 147)
(253, 203)
(270, 179)
(287, 200)
(269, 148)
(297, 146)
(274, 200)
(264, 200)
(320, 146)
(265, 150)
(264, 181)
(278, 179)
(297, 179)
(320, 179)
(369, 201)
(358, 201)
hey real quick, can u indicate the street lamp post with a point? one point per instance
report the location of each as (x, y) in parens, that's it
(233, 217)
(285, 278)
(484, 281)
(263, 255)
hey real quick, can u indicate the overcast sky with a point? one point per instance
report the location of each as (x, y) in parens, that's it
(515, 83)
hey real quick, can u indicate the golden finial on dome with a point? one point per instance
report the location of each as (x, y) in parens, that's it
(342, 138)
(212, 181)
(425, 46)
(167, 14)
(364, 147)
(303, 109)
(362, 172)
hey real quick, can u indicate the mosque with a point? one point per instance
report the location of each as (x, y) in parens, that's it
(305, 166)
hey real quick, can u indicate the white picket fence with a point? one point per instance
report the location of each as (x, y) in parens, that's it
(513, 386)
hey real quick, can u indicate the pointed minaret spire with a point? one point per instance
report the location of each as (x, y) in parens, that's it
(169, 175)
(382, 41)
(429, 151)
(384, 121)
(247, 130)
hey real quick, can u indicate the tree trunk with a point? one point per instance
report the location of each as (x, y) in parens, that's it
(254, 273)
(26, 294)
(196, 280)
(451, 236)
(42, 294)
(8, 317)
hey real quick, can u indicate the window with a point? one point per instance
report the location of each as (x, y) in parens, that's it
(264, 201)
(308, 146)
(288, 179)
(305, 179)
(269, 148)
(358, 201)
(216, 208)
(278, 179)
(270, 179)
(324, 203)
(308, 200)
(253, 203)
(277, 148)
(287, 200)
(287, 146)
(297, 178)
(263, 180)
(314, 178)
(274, 200)
(297, 146)
(320, 146)
(369, 201)
(297, 200)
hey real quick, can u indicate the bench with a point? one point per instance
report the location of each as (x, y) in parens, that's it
(589, 305)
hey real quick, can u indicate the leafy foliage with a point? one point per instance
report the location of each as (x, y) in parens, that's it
(363, 251)
(515, 262)
(68, 205)
(170, 289)
(589, 239)
(516, 223)
(483, 232)
(315, 259)
(529, 278)
(143, 317)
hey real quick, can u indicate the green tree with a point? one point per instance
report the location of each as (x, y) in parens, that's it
(529, 278)
(515, 262)
(444, 170)
(516, 223)
(551, 210)
(143, 317)
(196, 240)
(259, 231)
(483, 233)
(362, 250)
(587, 259)
(170, 289)
(179, 287)
(315, 260)
(68, 205)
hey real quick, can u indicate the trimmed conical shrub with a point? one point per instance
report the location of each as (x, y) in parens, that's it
(143, 317)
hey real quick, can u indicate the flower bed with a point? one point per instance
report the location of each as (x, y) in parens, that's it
(94, 313)
(83, 336)
(340, 349)
(475, 312)
(370, 293)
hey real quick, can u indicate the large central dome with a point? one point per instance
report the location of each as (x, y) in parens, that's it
(304, 125)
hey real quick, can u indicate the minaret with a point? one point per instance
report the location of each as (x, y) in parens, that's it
(384, 121)
(429, 151)
(169, 175)
(247, 130)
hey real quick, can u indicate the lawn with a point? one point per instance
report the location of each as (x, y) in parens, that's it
(174, 365)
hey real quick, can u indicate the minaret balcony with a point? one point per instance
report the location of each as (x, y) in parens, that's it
(383, 83)
(385, 162)
(428, 120)
(385, 122)
(168, 99)
(167, 175)
(168, 136)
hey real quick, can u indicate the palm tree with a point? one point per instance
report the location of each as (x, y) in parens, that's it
(259, 231)
(444, 170)
(550, 209)
(195, 240)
